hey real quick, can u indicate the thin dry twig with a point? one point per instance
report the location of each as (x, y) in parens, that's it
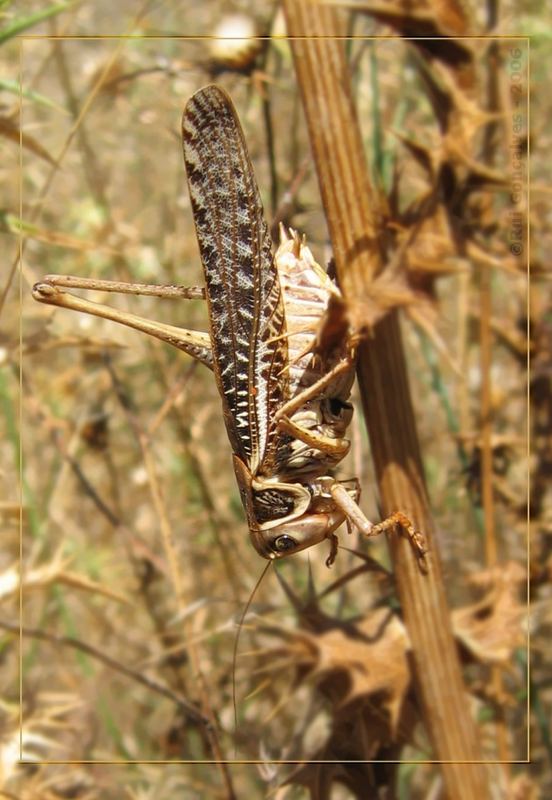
(184, 705)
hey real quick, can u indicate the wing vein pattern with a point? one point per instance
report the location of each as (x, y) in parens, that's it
(245, 301)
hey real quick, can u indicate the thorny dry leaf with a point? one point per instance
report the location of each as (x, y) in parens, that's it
(354, 664)
(361, 668)
(492, 628)
(372, 654)
(437, 19)
(432, 236)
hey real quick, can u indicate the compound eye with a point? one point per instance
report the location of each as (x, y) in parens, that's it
(284, 543)
(337, 407)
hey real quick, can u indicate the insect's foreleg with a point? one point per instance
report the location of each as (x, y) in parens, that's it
(195, 343)
(346, 503)
(315, 390)
(337, 448)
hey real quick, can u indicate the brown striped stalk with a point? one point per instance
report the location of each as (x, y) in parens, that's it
(324, 81)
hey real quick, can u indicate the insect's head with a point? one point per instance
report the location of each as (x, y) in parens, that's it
(282, 517)
(297, 534)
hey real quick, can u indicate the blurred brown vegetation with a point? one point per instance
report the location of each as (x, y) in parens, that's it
(136, 562)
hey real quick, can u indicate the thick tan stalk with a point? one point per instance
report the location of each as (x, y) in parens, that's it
(324, 81)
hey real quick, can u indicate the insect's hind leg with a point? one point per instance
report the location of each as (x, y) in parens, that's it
(344, 500)
(124, 287)
(196, 343)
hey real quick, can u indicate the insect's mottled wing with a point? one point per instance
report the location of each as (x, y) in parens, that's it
(243, 290)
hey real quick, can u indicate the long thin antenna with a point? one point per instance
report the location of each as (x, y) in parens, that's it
(236, 642)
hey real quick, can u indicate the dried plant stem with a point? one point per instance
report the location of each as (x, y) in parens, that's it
(491, 549)
(464, 286)
(91, 165)
(486, 345)
(485, 342)
(324, 81)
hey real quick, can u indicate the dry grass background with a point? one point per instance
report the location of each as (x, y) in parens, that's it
(134, 541)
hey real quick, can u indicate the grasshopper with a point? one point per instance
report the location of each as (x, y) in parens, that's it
(279, 345)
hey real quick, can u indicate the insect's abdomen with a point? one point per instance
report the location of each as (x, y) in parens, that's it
(307, 291)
